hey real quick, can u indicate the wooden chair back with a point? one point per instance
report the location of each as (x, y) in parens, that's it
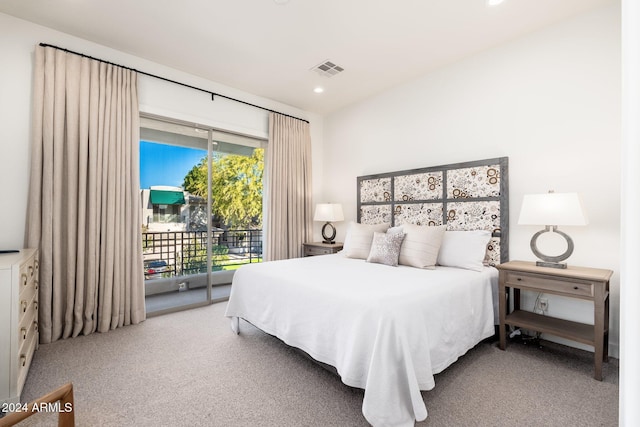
(63, 395)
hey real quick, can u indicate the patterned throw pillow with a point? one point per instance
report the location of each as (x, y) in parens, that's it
(385, 248)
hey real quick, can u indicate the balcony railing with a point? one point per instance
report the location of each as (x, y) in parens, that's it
(178, 253)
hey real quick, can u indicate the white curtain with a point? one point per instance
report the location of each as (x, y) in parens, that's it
(288, 188)
(84, 205)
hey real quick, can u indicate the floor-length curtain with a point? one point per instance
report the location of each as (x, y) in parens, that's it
(84, 205)
(287, 188)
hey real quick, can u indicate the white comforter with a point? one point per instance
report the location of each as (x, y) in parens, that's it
(385, 329)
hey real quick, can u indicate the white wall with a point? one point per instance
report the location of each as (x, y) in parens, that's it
(18, 39)
(630, 227)
(549, 101)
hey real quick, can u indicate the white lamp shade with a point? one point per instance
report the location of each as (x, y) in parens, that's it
(552, 209)
(329, 212)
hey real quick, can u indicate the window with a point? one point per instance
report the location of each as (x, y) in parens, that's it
(166, 213)
(201, 194)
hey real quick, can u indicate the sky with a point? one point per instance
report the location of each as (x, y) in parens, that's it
(162, 164)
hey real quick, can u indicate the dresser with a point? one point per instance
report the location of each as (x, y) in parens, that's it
(18, 320)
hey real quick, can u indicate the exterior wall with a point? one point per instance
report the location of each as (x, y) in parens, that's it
(186, 212)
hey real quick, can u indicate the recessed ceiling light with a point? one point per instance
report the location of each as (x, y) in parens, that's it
(318, 89)
(492, 3)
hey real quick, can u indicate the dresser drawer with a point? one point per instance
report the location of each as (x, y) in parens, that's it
(564, 286)
(28, 324)
(25, 302)
(24, 358)
(29, 277)
(29, 269)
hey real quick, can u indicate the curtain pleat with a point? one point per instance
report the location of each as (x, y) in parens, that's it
(288, 188)
(84, 205)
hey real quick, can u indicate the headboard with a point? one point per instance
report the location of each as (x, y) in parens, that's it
(474, 195)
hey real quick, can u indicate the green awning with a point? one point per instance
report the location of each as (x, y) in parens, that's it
(163, 197)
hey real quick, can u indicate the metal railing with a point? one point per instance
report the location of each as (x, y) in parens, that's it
(178, 253)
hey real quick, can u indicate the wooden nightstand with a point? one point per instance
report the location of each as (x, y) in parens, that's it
(590, 284)
(319, 248)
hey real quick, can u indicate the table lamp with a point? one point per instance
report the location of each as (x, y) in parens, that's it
(551, 210)
(328, 212)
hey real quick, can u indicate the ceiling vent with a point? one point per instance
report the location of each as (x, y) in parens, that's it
(327, 69)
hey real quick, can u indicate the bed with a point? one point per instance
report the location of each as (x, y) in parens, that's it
(389, 330)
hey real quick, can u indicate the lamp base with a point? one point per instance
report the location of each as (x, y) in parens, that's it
(551, 264)
(547, 260)
(329, 239)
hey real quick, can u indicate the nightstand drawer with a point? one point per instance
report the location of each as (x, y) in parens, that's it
(314, 250)
(560, 286)
(317, 248)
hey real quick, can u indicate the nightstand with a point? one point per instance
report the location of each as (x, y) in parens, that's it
(590, 284)
(319, 248)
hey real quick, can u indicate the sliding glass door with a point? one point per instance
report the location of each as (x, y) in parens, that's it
(201, 193)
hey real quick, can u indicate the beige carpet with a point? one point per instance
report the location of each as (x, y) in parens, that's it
(189, 369)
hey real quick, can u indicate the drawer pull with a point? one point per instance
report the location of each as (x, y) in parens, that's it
(23, 303)
(37, 264)
(23, 360)
(24, 333)
(36, 284)
(35, 305)
(576, 288)
(519, 279)
(35, 326)
(31, 270)
(24, 279)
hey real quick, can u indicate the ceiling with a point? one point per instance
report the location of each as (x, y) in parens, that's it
(268, 49)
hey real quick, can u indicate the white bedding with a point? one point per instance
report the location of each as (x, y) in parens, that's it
(385, 329)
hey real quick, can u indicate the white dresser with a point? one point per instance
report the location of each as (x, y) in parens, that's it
(18, 320)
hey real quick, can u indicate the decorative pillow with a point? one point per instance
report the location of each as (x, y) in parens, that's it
(421, 245)
(464, 249)
(357, 243)
(385, 248)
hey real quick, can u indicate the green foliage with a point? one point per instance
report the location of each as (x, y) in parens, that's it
(195, 182)
(241, 262)
(195, 258)
(236, 188)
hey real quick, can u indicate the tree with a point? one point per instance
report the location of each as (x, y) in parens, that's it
(236, 187)
(195, 182)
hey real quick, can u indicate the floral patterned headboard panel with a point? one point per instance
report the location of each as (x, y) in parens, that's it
(464, 196)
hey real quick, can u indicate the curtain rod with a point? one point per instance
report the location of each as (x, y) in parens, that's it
(213, 94)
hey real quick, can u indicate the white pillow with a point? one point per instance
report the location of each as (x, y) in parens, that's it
(421, 245)
(396, 229)
(385, 248)
(357, 243)
(464, 249)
